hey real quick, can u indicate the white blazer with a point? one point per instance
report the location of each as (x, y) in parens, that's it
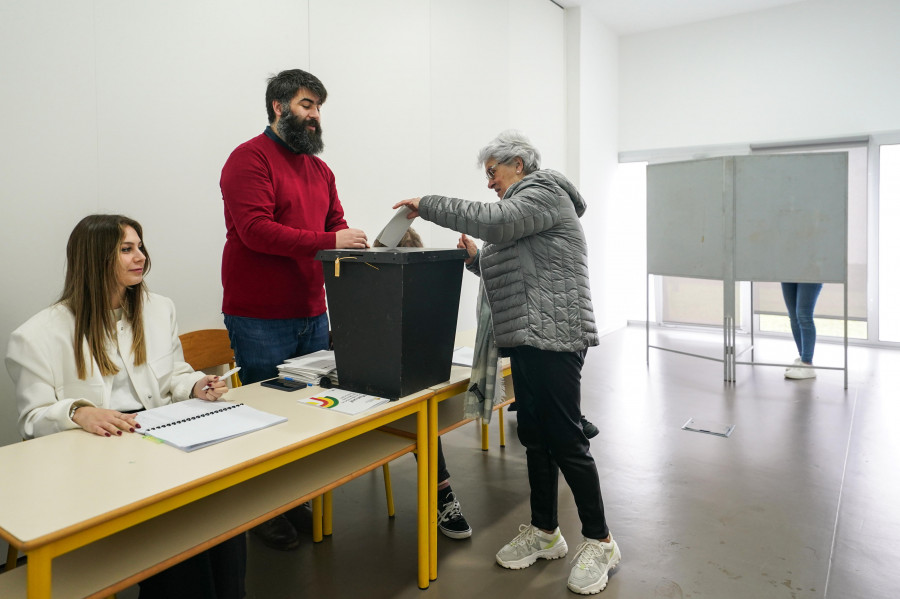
(40, 359)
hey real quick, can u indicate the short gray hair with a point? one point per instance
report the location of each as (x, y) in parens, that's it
(508, 146)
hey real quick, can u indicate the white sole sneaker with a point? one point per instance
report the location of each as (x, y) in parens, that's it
(593, 589)
(530, 545)
(799, 373)
(557, 551)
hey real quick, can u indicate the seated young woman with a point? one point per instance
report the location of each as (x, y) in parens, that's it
(109, 348)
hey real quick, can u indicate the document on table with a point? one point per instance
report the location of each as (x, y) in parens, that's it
(463, 356)
(343, 401)
(195, 423)
(396, 228)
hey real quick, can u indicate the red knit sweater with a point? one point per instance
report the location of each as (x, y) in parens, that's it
(280, 209)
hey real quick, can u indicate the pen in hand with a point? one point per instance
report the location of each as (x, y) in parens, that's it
(225, 374)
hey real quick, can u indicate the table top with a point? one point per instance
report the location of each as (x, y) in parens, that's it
(68, 481)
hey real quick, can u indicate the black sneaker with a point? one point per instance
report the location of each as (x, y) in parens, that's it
(278, 533)
(590, 429)
(451, 522)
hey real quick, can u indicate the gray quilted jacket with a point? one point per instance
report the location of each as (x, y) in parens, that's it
(533, 262)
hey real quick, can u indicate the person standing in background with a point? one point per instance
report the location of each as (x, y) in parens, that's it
(281, 207)
(800, 299)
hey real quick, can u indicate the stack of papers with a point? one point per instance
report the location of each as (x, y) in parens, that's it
(463, 356)
(311, 368)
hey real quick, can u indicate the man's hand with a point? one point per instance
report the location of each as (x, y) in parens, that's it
(350, 239)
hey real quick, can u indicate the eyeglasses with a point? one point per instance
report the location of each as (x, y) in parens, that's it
(490, 173)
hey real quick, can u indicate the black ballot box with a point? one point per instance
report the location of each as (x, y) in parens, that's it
(393, 316)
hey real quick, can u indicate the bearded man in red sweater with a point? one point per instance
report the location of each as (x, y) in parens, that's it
(281, 207)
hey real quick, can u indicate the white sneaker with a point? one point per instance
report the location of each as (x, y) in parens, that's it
(799, 372)
(797, 362)
(530, 544)
(594, 561)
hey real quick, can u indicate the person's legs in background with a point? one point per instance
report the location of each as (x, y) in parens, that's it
(260, 345)
(789, 292)
(807, 296)
(451, 522)
(217, 573)
(800, 301)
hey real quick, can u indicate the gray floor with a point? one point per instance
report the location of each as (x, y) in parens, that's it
(801, 500)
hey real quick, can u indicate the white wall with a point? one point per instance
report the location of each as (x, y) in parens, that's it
(133, 107)
(811, 70)
(592, 71)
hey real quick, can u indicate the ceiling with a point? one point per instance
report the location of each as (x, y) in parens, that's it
(634, 16)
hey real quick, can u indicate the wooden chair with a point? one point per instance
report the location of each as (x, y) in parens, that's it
(208, 348)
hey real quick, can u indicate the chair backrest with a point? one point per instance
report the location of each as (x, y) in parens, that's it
(208, 348)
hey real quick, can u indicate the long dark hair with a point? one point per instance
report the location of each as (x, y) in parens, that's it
(92, 261)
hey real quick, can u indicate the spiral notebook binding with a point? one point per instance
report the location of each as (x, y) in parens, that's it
(183, 420)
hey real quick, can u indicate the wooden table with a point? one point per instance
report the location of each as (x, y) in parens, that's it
(96, 515)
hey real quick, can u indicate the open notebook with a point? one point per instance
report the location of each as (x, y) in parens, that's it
(196, 423)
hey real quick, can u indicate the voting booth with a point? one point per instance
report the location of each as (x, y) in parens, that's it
(393, 316)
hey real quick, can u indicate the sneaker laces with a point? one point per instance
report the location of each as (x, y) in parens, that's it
(451, 509)
(525, 536)
(587, 552)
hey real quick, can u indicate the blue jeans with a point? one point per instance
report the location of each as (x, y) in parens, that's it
(261, 344)
(800, 299)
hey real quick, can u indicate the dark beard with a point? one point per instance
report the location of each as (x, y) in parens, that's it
(294, 133)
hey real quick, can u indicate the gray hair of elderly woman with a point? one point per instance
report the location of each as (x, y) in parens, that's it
(508, 146)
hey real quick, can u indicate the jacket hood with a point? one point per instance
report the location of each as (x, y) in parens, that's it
(553, 178)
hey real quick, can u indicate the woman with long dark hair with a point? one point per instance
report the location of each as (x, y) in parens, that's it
(109, 348)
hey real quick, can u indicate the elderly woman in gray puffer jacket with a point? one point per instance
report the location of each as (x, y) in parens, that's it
(534, 271)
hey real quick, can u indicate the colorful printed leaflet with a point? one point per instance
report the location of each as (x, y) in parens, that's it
(346, 402)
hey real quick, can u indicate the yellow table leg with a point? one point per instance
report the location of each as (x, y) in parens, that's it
(39, 573)
(388, 490)
(502, 428)
(485, 436)
(432, 485)
(423, 499)
(327, 513)
(317, 519)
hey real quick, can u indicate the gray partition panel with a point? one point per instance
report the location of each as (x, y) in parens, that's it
(685, 233)
(791, 218)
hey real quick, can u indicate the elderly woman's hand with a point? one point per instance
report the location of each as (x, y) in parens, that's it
(412, 204)
(467, 244)
(103, 422)
(217, 388)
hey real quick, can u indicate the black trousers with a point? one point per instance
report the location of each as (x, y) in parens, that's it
(443, 473)
(217, 573)
(548, 393)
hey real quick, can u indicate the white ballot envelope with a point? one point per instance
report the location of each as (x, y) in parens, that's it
(396, 228)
